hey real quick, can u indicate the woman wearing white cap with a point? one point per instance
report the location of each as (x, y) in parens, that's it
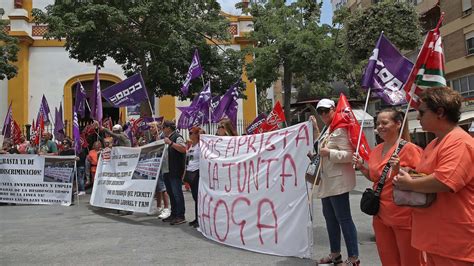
(337, 179)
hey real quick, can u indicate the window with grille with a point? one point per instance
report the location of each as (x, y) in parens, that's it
(470, 43)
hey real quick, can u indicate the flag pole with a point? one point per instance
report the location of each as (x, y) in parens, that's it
(152, 115)
(75, 173)
(362, 124)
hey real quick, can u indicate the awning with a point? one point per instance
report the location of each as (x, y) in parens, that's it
(414, 126)
(359, 114)
(466, 117)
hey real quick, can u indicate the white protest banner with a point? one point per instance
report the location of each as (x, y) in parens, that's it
(252, 191)
(33, 179)
(126, 177)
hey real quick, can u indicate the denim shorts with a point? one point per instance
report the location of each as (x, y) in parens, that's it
(160, 184)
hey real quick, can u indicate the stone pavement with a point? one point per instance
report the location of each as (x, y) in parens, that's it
(82, 234)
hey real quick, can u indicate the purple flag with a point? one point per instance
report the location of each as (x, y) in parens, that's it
(6, 130)
(96, 108)
(80, 101)
(227, 104)
(129, 133)
(386, 72)
(197, 113)
(194, 71)
(44, 109)
(58, 123)
(76, 133)
(256, 123)
(129, 92)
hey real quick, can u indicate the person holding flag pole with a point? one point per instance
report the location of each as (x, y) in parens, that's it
(337, 179)
(447, 169)
(386, 72)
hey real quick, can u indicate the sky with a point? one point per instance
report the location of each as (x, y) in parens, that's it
(326, 14)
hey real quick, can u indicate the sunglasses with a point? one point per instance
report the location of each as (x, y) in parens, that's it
(323, 110)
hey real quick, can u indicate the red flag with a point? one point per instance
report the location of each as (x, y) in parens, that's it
(108, 123)
(33, 132)
(16, 133)
(276, 116)
(344, 118)
(428, 70)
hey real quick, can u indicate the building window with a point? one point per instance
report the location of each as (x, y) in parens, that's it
(466, 7)
(464, 85)
(470, 43)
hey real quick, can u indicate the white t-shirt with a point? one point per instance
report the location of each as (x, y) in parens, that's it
(192, 157)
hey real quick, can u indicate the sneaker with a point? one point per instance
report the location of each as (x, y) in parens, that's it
(81, 193)
(165, 213)
(155, 211)
(177, 221)
(169, 219)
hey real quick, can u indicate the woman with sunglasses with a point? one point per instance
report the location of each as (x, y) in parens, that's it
(337, 179)
(444, 230)
(226, 128)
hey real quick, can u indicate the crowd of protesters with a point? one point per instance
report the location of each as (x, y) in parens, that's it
(404, 235)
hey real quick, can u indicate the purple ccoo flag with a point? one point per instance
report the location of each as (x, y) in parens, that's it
(80, 101)
(96, 106)
(386, 72)
(194, 71)
(76, 133)
(129, 92)
(44, 109)
(58, 123)
(227, 104)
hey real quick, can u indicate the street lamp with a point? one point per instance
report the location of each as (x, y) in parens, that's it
(2, 12)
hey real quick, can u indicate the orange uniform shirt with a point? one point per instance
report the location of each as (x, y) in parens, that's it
(446, 228)
(390, 213)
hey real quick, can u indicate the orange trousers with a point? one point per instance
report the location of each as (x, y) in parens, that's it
(435, 260)
(394, 245)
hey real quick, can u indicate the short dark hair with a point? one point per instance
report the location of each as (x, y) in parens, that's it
(170, 124)
(446, 98)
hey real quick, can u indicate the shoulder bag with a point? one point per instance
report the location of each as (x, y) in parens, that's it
(370, 201)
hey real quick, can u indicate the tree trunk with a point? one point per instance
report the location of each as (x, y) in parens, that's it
(287, 75)
(145, 110)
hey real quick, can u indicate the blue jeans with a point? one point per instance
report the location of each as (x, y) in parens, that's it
(81, 171)
(174, 187)
(337, 212)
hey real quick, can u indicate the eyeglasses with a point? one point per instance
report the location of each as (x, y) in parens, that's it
(323, 110)
(191, 133)
(220, 126)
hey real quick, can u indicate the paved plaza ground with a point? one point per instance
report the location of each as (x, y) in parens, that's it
(82, 234)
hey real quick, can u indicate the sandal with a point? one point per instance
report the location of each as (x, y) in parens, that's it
(330, 260)
(348, 262)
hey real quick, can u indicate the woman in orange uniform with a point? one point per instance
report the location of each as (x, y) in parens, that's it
(392, 224)
(444, 230)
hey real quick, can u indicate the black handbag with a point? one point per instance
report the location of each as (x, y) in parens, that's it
(191, 177)
(370, 201)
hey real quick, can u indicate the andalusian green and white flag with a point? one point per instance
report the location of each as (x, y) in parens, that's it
(428, 70)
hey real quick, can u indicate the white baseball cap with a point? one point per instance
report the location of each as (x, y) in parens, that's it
(117, 128)
(325, 103)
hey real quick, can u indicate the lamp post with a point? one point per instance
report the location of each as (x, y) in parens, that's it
(2, 12)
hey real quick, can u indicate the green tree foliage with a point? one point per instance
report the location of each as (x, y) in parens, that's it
(155, 37)
(359, 31)
(8, 51)
(289, 42)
